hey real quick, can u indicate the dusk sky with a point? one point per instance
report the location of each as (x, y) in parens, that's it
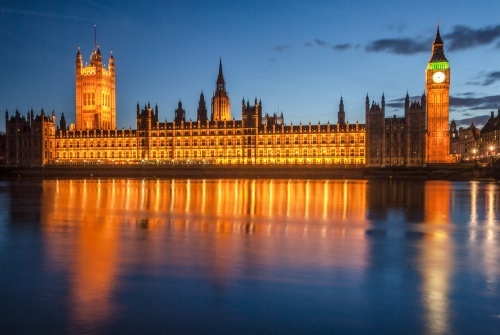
(298, 57)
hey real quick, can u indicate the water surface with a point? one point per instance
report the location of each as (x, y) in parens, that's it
(249, 256)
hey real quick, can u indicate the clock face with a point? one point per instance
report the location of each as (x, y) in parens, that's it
(438, 77)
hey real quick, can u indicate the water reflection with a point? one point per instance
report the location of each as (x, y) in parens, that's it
(104, 219)
(436, 258)
(345, 247)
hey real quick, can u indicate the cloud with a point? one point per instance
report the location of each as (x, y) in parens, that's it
(319, 42)
(486, 79)
(282, 48)
(316, 42)
(491, 102)
(398, 27)
(399, 103)
(478, 121)
(463, 37)
(460, 38)
(341, 47)
(400, 46)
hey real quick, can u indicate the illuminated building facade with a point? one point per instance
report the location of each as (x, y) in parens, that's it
(437, 87)
(253, 139)
(420, 137)
(95, 93)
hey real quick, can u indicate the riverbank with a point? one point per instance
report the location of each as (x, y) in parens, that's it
(200, 171)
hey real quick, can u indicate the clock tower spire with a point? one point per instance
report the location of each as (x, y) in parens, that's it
(437, 88)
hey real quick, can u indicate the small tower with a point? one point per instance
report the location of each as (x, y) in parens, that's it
(62, 123)
(202, 110)
(180, 114)
(221, 105)
(341, 113)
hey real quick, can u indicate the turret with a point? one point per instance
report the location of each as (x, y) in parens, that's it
(341, 113)
(79, 62)
(62, 123)
(96, 58)
(111, 64)
(202, 109)
(180, 114)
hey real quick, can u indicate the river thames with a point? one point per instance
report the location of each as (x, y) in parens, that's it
(244, 256)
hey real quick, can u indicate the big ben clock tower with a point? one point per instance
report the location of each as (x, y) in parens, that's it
(437, 88)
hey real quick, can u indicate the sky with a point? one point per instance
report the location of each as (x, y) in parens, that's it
(298, 57)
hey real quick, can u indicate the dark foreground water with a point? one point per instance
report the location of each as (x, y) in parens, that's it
(249, 256)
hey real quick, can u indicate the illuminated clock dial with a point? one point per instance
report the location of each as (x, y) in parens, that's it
(438, 77)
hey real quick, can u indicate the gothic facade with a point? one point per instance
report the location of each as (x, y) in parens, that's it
(256, 138)
(95, 93)
(395, 141)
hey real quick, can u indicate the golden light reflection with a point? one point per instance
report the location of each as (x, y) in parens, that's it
(214, 215)
(227, 203)
(436, 258)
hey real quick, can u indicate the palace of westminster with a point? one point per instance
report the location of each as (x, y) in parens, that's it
(420, 137)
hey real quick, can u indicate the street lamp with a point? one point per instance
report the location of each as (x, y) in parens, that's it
(491, 150)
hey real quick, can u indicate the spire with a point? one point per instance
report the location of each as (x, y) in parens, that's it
(407, 102)
(221, 83)
(437, 49)
(79, 62)
(438, 40)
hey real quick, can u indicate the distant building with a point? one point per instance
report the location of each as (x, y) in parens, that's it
(3, 143)
(490, 136)
(464, 142)
(30, 139)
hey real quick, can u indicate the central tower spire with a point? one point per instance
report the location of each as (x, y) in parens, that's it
(221, 83)
(221, 105)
